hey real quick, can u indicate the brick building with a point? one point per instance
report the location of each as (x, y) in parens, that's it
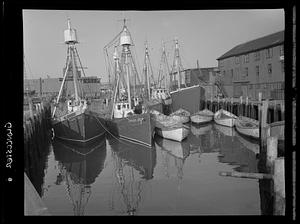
(255, 66)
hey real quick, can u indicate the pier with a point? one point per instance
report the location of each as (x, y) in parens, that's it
(272, 165)
(36, 124)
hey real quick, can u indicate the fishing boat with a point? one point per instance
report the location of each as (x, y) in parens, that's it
(152, 97)
(181, 115)
(170, 128)
(247, 126)
(202, 116)
(183, 95)
(162, 91)
(72, 120)
(126, 122)
(225, 118)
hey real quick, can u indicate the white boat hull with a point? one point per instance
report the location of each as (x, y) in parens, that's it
(228, 120)
(176, 134)
(247, 126)
(199, 119)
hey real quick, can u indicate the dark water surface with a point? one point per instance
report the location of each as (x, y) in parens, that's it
(116, 177)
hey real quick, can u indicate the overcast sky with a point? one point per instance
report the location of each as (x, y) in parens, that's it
(203, 35)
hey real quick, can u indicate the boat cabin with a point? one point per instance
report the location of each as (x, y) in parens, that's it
(121, 109)
(160, 93)
(76, 105)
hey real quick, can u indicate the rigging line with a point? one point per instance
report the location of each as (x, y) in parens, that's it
(113, 40)
(118, 139)
(83, 72)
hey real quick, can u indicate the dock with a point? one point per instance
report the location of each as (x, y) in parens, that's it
(36, 124)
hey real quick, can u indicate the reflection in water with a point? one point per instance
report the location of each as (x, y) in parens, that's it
(234, 152)
(245, 153)
(203, 138)
(36, 154)
(79, 167)
(179, 151)
(128, 158)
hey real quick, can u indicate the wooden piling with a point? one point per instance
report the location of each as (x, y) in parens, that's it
(279, 187)
(247, 109)
(272, 152)
(241, 106)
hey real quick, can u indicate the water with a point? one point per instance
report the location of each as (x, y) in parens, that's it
(120, 178)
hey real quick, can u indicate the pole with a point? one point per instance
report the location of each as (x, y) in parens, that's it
(74, 73)
(63, 82)
(127, 75)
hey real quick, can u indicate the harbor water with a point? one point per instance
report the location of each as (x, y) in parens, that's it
(116, 177)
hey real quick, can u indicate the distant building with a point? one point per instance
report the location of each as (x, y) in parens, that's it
(255, 66)
(50, 86)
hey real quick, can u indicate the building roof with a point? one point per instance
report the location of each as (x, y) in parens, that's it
(254, 45)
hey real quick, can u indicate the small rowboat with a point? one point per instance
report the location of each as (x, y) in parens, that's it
(181, 115)
(202, 116)
(247, 126)
(225, 118)
(170, 128)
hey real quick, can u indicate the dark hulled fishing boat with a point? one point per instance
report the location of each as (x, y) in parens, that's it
(182, 94)
(72, 120)
(126, 121)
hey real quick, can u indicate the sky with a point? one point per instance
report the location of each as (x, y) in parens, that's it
(203, 35)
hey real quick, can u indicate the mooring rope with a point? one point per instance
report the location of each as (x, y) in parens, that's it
(114, 136)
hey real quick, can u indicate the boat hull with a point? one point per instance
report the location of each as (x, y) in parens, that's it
(225, 118)
(174, 133)
(182, 98)
(137, 128)
(199, 119)
(247, 127)
(82, 129)
(228, 122)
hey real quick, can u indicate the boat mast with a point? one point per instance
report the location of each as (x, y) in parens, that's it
(117, 76)
(125, 42)
(177, 63)
(147, 78)
(63, 82)
(164, 67)
(71, 40)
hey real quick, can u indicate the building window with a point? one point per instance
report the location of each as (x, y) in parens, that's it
(257, 70)
(257, 55)
(236, 73)
(282, 66)
(246, 72)
(281, 50)
(231, 73)
(237, 59)
(246, 57)
(270, 68)
(269, 53)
